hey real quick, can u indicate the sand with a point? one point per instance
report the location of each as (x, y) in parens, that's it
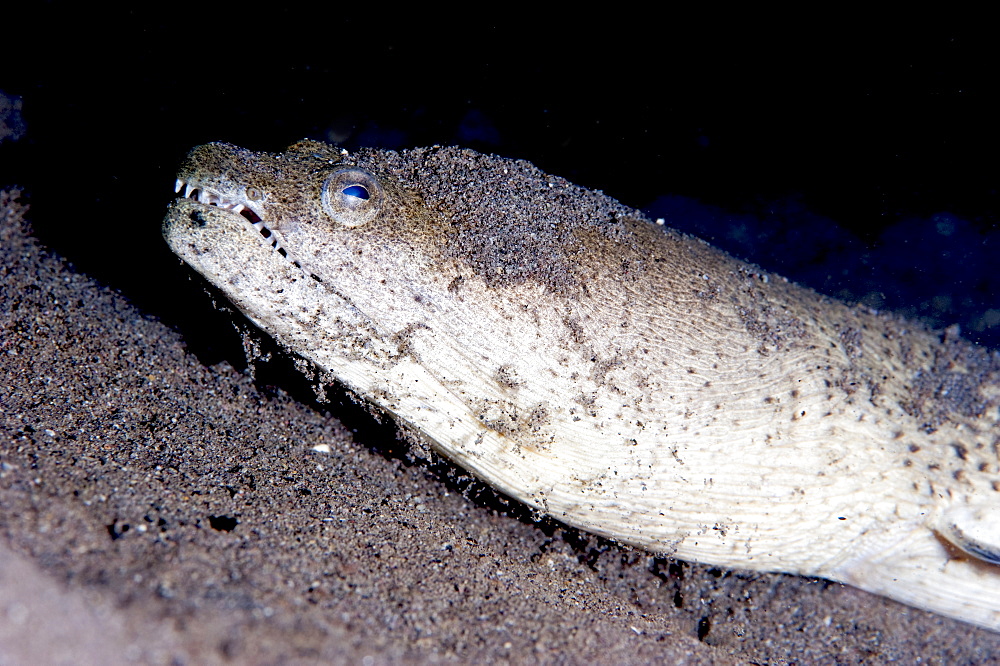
(157, 509)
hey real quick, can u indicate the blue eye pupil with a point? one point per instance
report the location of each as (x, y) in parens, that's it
(356, 191)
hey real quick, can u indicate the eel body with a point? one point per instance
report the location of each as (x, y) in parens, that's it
(621, 377)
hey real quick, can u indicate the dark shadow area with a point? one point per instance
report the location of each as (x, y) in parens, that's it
(793, 140)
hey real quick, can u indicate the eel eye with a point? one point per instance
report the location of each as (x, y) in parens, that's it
(352, 196)
(356, 191)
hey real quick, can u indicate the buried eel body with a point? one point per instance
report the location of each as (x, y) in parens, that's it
(621, 377)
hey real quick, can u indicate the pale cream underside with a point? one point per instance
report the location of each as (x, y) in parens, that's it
(646, 453)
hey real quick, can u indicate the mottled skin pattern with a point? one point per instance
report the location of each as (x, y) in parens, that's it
(619, 376)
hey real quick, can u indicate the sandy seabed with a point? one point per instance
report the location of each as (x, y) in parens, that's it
(155, 510)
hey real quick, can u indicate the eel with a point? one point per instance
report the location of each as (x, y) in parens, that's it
(623, 378)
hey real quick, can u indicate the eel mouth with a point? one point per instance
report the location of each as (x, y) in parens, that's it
(209, 197)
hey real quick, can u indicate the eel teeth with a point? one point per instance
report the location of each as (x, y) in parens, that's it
(212, 198)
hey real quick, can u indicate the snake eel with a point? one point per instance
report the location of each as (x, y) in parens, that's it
(621, 377)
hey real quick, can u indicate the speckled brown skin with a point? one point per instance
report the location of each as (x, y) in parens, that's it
(621, 377)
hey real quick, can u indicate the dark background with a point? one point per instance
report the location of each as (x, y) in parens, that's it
(860, 159)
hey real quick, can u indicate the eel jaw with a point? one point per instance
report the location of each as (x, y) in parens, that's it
(246, 209)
